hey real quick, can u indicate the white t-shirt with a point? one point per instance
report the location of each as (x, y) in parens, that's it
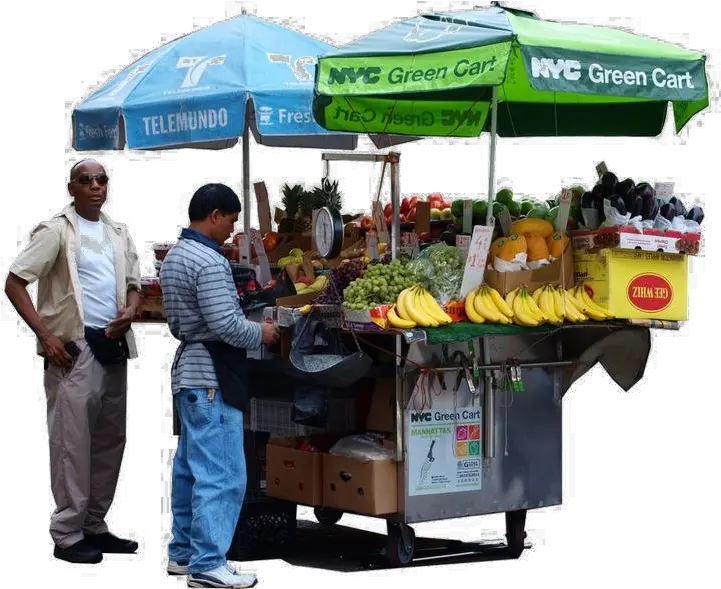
(96, 271)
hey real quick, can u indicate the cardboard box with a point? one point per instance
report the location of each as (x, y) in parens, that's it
(297, 301)
(369, 488)
(628, 237)
(375, 319)
(382, 411)
(634, 284)
(293, 474)
(558, 272)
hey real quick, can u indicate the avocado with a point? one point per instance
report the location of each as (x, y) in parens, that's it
(514, 208)
(498, 207)
(526, 205)
(505, 195)
(577, 191)
(457, 208)
(480, 208)
(538, 212)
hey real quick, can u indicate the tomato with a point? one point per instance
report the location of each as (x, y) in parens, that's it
(270, 241)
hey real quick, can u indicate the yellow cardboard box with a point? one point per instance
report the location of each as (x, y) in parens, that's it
(635, 284)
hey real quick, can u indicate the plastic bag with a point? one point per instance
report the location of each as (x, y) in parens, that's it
(439, 268)
(591, 218)
(518, 263)
(362, 447)
(310, 406)
(613, 217)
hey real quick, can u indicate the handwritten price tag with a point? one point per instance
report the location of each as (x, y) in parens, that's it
(467, 216)
(664, 190)
(409, 243)
(264, 275)
(476, 259)
(563, 210)
(463, 243)
(372, 245)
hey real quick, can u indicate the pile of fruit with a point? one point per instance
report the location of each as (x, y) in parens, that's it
(305, 286)
(381, 284)
(440, 209)
(531, 243)
(340, 279)
(416, 307)
(548, 304)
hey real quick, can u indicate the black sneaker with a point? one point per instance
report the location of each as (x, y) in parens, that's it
(109, 544)
(79, 553)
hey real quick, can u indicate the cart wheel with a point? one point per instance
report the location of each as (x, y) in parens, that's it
(516, 531)
(401, 544)
(327, 516)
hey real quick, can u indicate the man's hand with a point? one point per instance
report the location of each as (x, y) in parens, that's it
(270, 333)
(118, 327)
(55, 351)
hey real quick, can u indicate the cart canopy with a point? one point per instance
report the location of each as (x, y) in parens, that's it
(433, 75)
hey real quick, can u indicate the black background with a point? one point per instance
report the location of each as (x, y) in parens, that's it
(628, 463)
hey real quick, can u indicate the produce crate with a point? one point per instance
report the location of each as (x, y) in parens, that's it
(266, 528)
(255, 463)
(274, 417)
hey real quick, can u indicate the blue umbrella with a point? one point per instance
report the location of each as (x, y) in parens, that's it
(209, 88)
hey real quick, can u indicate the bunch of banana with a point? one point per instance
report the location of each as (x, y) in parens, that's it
(525, 310)
(486, 304)
(585, 304)
(416, 305)
(397, 322)
(549, 301)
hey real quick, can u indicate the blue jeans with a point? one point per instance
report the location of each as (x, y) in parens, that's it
(209, 479)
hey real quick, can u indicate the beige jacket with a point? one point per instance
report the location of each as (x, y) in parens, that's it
(50, 258)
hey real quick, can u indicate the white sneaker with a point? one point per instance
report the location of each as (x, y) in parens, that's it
(181, 570)
(222, 577)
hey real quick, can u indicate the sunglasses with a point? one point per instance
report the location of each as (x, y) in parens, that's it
(87, 179)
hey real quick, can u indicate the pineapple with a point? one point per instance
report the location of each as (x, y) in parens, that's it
(291, 202)
(304, 221)
(327, 195)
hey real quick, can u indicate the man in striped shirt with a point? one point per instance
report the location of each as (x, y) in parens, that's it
(209, 474)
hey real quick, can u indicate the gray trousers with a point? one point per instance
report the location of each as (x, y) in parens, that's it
(86, 426)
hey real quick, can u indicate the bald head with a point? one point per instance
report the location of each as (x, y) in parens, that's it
(79, 167)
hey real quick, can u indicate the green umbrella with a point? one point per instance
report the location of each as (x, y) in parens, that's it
(441, 74)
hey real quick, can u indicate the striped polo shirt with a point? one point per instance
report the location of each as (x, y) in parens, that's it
(201, 302)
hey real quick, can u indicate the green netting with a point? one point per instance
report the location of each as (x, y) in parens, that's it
(462, 332)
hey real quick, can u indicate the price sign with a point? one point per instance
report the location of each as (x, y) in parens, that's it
(380, 221)
(601, 169)
(476, 259)
(261, 195)
(563, 210)
(504, 218)
(463, 243)
(664, 190)
(409, 243)
(467, 216)
(372, 245)
(264, 275)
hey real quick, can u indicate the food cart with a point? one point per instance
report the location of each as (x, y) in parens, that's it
(474, 426)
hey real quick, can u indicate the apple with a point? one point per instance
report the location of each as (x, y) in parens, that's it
(367, 223)
(402, 218)
(388, 211)
(412, 203)
(412, 215)
(447, 214)
(435, 196)
(435, 214)
(405, 206)
(389, 221)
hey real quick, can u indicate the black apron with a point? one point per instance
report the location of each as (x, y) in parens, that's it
(231, 371)
(109, 352)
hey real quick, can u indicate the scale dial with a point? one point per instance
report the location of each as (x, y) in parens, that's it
(328, 233)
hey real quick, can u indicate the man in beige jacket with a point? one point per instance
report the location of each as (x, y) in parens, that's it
(88, 279)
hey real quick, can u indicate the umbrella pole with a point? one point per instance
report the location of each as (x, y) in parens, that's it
(246, 187)
(489, 415)
(492, 157)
